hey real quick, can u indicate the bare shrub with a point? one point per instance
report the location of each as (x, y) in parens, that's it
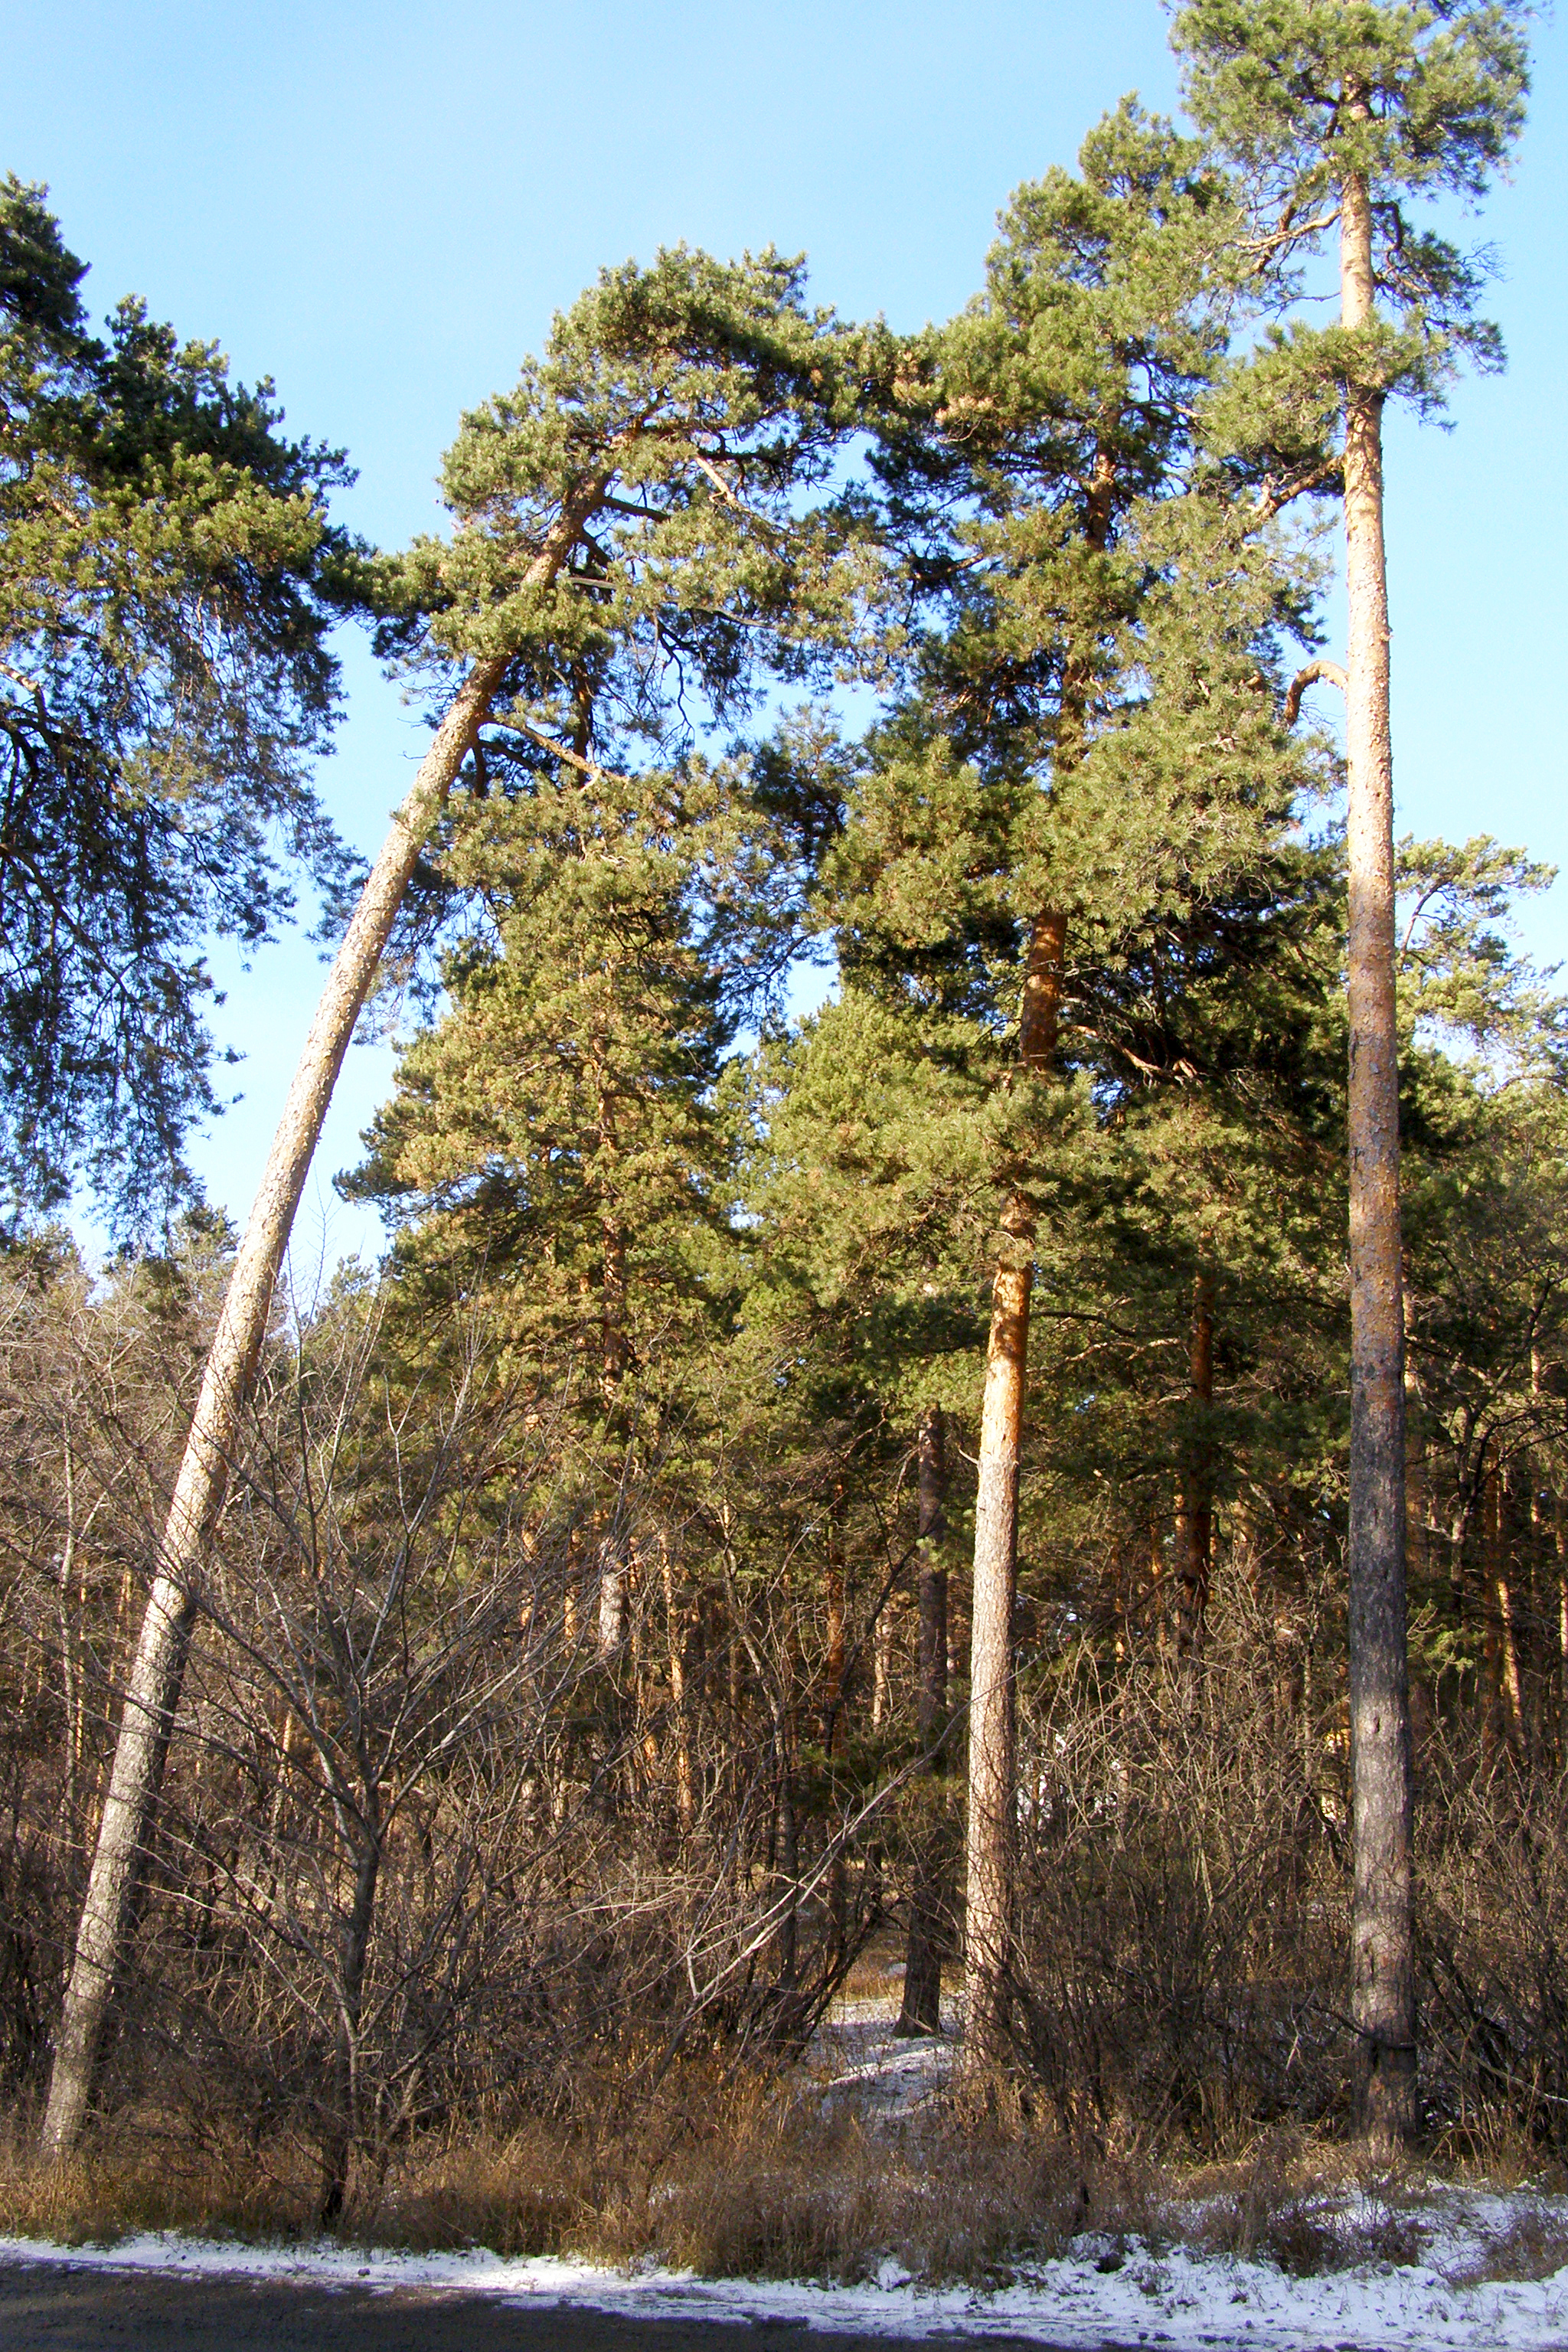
(1183, 1900)
(1493, 1919)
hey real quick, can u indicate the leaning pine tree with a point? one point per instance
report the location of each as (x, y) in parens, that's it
(650, 467)
(1339, 112)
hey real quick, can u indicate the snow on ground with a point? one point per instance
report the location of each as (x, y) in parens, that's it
(1171, 2297)
(858, 2061)
(1179, 2301)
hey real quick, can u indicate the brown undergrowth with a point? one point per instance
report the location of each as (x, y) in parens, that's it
(773, 2171)
(771, 2188)
(766, 2187)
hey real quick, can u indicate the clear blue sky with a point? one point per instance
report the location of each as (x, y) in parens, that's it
(382, 206)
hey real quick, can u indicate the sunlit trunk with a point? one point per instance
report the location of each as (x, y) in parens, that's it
(834, 1708)
(154, 1684)
(676, 1636)
(612, 1373)
(1501, 1599)
(1382, 1971)
(921, 2011)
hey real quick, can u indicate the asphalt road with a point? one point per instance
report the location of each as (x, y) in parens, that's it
(52, 2307)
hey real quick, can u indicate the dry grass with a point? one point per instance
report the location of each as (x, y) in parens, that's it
(154, 2178)
(771, 2186)
(1534, 2246)
(783, 2193)
(1308, 2206)
(769, 2189)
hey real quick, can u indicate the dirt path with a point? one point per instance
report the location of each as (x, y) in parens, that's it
(54, 2307)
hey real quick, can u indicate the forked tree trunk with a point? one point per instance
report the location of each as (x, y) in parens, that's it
(1382, 1972)
(921, 2011)
(154, 1684)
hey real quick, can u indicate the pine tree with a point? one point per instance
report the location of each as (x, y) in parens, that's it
(1342, 113)
(554, 1148)
(168, 580)
(1041, 484)
(646, 472)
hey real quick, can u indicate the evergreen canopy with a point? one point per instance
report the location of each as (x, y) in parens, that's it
(166, 591)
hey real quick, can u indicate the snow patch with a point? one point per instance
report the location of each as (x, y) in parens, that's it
(1180, 2299)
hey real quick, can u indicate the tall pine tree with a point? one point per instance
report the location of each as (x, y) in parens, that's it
(1340, 113)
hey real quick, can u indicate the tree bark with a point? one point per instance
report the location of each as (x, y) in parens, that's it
(156, 1672)
(1560, 1546)
(837, 1888)
(678, 1636)
(1194, 1505)
(343, 2125)
(993, 1739)
(920, 2009)
(614, 1351)
(1382, 1975)
(993, 1729)
(1503, 1701)
(882, 1667)
(1489, 1678)
(786, 1865)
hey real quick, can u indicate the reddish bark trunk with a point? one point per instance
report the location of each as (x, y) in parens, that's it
(921, 2011)
(1382, 1971)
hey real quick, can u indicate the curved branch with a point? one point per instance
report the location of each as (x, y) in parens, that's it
(1330, 672)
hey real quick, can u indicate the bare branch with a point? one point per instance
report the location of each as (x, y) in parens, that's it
(1327, 671)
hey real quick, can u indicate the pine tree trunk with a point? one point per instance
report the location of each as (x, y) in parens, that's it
(1157, 1584)
(1508, 1629)
(1194, 1506)
(71, 1667)
(1489, 1686)
(1560, 1546)
(612, 1370)
(882, 1667)
(921, 2011)
(837, 1888)
(1382, 1975)
(993, 1734)
(153, 1687)
(677, 1634)
(993, 1729)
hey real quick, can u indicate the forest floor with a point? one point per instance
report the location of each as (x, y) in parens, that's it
(1272, 2260)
